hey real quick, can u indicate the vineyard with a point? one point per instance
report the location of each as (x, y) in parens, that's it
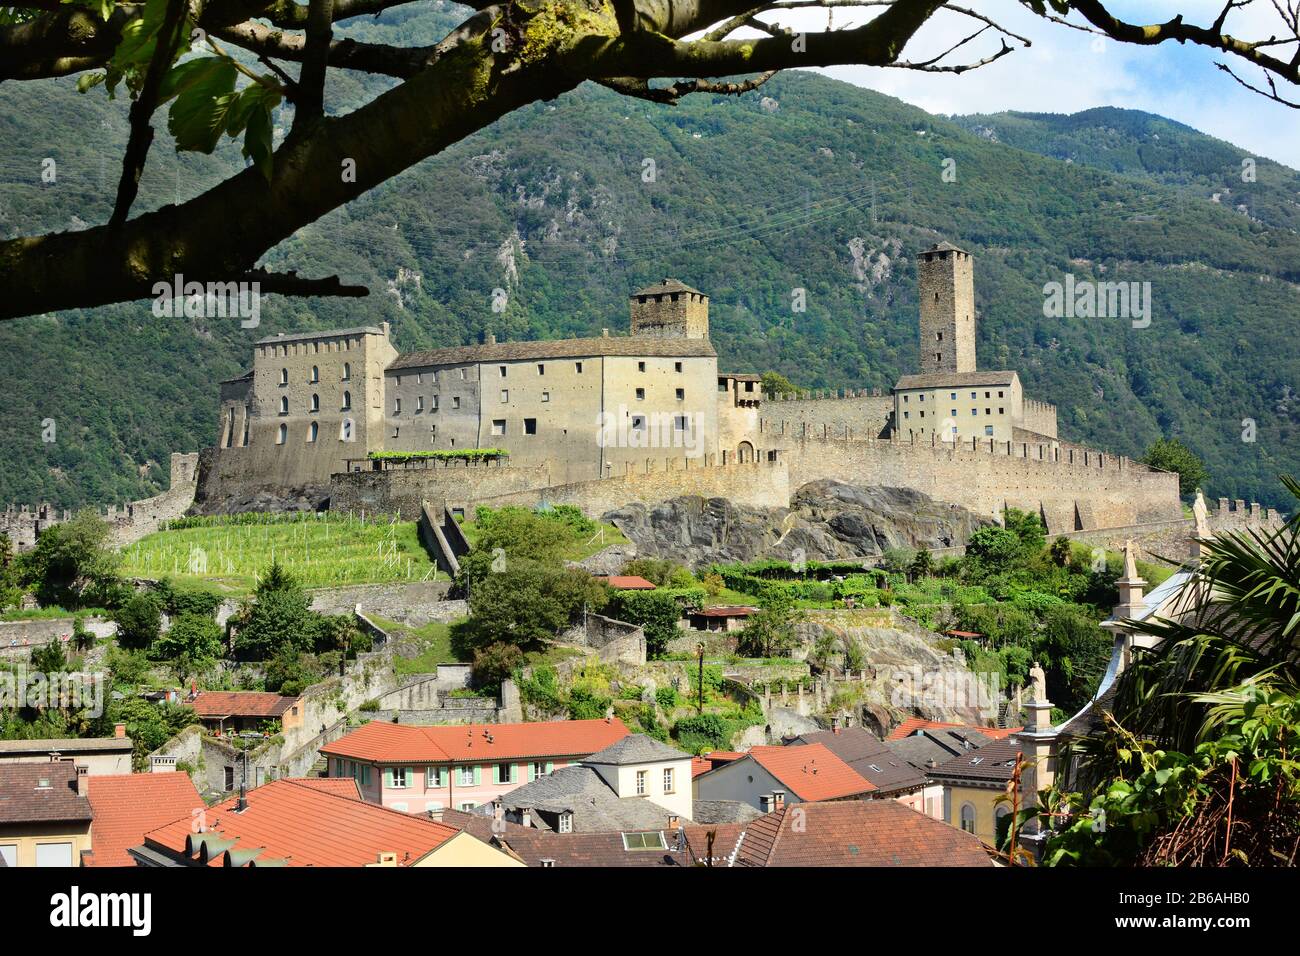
(320, 550)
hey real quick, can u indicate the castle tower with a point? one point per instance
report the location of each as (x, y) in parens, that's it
(670, 310)
(947, 289)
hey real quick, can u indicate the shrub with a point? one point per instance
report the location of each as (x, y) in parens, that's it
(139, 621)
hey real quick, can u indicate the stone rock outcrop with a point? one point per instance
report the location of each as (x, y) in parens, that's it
(826, 520)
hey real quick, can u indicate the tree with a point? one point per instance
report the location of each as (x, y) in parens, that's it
(1169, 454)
(150, 725)
(657, 612)
(994, 548)
(922, 564)
(72, 562)
(774, 383)
(279, 616)
(502, 57)
(496, 662)
(770, 632)
(139, 621)
(528, 603)
(10, 593)
(193, 642)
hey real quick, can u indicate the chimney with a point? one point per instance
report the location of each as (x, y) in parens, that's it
(765, 802)
(778, 799)
(491, 338)
(83, 773)
(674, 822)
(525, 817)
(383, 327)
(119, 731)
(161, 764)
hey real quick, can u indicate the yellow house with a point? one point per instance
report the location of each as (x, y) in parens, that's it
(44, 814)
(972, 784)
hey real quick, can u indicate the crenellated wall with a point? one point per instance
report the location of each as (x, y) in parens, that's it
(865, 415)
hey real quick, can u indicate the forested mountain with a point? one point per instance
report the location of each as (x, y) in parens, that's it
(808, 183)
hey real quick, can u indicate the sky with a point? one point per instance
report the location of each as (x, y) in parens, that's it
(1065, 71)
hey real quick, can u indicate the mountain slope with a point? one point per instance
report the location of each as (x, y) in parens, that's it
(806, 184)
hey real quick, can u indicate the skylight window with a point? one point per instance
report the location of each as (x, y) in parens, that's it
(649, 840)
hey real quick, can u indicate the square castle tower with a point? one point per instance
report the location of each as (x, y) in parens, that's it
(947, 290)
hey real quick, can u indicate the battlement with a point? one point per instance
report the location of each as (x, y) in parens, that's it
(827, 394)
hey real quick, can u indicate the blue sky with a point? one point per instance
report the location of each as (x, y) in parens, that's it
(1065, 71)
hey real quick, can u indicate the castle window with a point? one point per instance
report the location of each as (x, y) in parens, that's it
(640, 394)
(546, 396)
(974, 411)
(505, 395)
(921, 398)
(907, 414)
(284, 376)
(347, 401)
(541, 369)
(722, 385)
(433, 430)
(681, 395)
(282, 434)
(433, 403)
(397, 430)
(397, 405)
(1001, 411)
(923, 415)
(938, 336)
(938, 356)
(986, 394)
(345, 430)
(315, 375)
(419, 378)
(988, 411)
(530, 426)
(988, 430)
(936, 297)
(679, 423)
(347, 371)
(954, 398)
(462, 374)
(503, 371)
(638, 422)
(749, 387)
(578, 367)
(419, 404)
(315, 402)
(498, 426)
(677, 366)
(455, 401)
(974, 394)
(284, 404)
(906, 399)
(640, 366)
(999, 394)
(433, 376)
(954, 413)
(313, 431)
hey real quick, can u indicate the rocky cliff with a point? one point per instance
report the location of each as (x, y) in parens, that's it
(826, 520)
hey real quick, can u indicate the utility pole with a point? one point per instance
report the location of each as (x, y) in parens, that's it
(699, 649)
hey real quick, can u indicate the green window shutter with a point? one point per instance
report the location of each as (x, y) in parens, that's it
(408, 776)
(549, 765)
(477, 775)
(388, 776)
(514, 773)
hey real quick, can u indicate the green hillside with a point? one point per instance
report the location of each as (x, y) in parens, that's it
(808, 183)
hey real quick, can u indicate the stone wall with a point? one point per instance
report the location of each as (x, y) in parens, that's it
(403, 491)
(1040, 417)
(611, 640)
(416, 603)
(17, 638)
(760, 484)
(865, 415)
(1072, 490)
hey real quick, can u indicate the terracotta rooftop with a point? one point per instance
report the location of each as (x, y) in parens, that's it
(811, 772)
(243, 703)
(547, 848)
(382, 742)
(868, 756)
(628, 582)
(129, 805)
(41, 792)
(846, 833)
(993, 763)
(727, 610)
(293, 823)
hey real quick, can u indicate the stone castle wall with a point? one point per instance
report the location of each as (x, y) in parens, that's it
(1040, 417)
(128, 523)
(1071, 490)
(865, 415)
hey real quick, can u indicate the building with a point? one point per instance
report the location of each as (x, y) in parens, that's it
(627, 582)
(877, 833)
(730, 617)
(316, 822)
(636, 784)
(770, 777)
(45, 815)
(99, 755)
(548, 849)
(245, 711)
(890, 774)
(429, 769)
(975, 788)
(127, 806)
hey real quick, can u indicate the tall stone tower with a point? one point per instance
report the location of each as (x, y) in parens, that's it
(947, 287)
(670, 310)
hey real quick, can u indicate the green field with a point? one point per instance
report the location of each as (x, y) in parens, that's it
(229, 552)
(582, 547)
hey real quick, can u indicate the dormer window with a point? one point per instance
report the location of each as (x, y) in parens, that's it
(565, 822)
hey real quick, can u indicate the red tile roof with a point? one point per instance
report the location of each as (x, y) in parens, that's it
(129, 805)
(811, 772)
(305, 825)
(37, 792)
(244, 703)
(712, 759)
(846, 833)
(912, 724)
(628, 582)
(339, 786)
(731, 610)
(382, 742)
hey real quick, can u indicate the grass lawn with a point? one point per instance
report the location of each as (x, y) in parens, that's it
(319, 550)
(435, 640)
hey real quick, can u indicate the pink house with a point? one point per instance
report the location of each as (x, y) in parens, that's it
(420, 769)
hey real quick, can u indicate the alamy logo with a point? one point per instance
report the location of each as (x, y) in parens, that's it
(625, 429)
(76, 909)
(1085, 299)
(213, 300)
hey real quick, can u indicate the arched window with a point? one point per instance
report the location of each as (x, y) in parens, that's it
(284, 434)
(315, 374)
(315, 403)
(284, 376)
(347, 371)
(345, 430)
(284, 404)
(347, 401)
(968, 817)
(313, 431)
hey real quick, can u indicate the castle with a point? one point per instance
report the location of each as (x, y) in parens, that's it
(339, 418)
